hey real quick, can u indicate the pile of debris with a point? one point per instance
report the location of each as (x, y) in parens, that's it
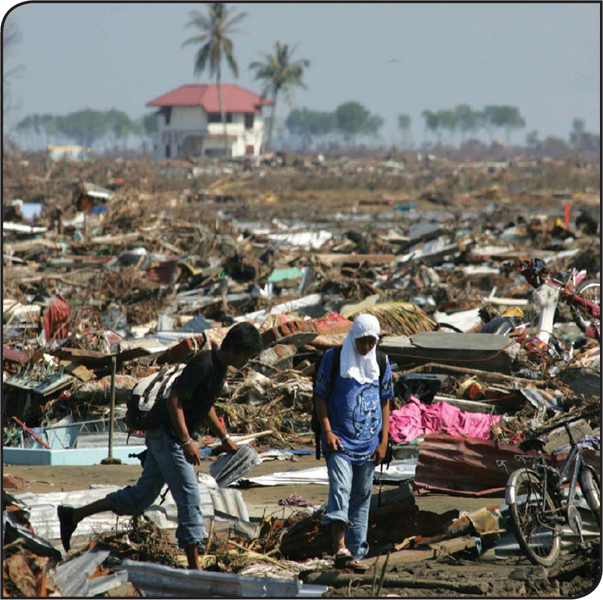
(127, 267)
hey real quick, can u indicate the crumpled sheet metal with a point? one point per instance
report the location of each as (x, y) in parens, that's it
(73, 576)
(398, 471)
(466, 465)
(230, 467)
(215, 502)
(13, 530)
(43, 511)
(158, 581)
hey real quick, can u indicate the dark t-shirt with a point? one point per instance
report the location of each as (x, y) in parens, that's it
(199, 386)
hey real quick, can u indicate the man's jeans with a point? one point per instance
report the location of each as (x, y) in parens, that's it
(350, 499)
(165, 463)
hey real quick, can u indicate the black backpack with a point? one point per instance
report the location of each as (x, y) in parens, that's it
(315, 423)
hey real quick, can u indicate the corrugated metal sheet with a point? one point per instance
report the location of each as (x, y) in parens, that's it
(43, 509)
(73, 576)
(399, 470)
(466, 465)
(43, 512)
(470, 466)
(158, 581)
(100, 585)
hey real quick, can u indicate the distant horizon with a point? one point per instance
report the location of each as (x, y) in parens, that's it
(543, 59)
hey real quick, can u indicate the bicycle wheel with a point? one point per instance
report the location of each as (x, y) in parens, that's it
(590, 290)
(537, 534)
(591, 488)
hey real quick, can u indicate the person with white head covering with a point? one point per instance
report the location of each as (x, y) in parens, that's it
(352, 402)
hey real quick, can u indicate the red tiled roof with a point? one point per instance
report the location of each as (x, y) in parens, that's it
(234, 98)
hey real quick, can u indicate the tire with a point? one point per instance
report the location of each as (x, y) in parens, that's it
(589, 289)
(538, 538)
(591, 488)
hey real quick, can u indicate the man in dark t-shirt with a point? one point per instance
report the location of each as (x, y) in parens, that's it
(171, 452)
(198, 387)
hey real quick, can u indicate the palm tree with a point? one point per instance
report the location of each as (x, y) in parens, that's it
(215, 27)
(404, 122)
(279, 72)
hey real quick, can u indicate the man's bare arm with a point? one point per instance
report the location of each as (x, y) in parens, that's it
(176, 413)
(332, 442)
(216, 427)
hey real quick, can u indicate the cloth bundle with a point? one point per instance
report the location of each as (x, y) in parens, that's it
(415, 419)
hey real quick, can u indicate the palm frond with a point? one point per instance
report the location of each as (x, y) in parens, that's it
(402, 318)
(233, 21)
(198, 20)
(278, 71)
(202, 59)
(232, 63)
(198, 39)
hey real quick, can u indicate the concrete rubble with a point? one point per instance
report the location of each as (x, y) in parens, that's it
(133, 265)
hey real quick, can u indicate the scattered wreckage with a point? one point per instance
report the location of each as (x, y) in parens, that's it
(129, 268)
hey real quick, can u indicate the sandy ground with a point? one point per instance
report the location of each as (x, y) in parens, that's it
(43, 479)
(573, 576)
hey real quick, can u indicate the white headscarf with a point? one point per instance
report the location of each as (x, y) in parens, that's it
(363, 369)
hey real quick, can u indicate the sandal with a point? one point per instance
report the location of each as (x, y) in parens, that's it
(342, 558)
(358, 566)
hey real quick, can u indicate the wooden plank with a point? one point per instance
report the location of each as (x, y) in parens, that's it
(332, 260)
(336, 578)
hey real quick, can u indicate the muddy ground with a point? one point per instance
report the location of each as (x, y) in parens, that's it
(574, 575)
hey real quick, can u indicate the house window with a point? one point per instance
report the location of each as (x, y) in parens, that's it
(166, 111)
(216, 118)
(249, 121)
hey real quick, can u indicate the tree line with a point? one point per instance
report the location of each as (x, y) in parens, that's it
(350, 120)
(88, 127)
(280, 73)
(466, 121)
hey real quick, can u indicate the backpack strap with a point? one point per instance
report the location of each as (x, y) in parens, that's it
(335, 365)
(382, 362)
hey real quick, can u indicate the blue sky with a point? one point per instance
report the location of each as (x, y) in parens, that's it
(393, 58)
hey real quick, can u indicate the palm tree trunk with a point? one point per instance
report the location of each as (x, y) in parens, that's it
(222, 116)
(271, 126)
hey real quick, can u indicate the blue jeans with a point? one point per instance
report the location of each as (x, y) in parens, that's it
(349, 501)
(165, 463)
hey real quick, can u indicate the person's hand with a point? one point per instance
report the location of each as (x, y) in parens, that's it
(332, 442)
(191, 454)
(380, 452)
(229, 445)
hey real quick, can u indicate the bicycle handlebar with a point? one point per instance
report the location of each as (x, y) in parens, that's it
(565, 424)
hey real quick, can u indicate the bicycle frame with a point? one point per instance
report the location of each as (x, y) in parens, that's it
(569, 471)
(572, 463)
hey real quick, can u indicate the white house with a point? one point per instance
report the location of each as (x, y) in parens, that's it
(190, 123)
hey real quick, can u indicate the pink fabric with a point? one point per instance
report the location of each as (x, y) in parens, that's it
(415, 419)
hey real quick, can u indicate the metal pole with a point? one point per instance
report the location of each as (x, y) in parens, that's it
(112, 409)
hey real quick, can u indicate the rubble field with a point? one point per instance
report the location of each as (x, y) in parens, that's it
(485, 277)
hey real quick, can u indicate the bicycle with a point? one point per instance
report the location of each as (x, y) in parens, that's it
(582, 295)
(538, 505)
